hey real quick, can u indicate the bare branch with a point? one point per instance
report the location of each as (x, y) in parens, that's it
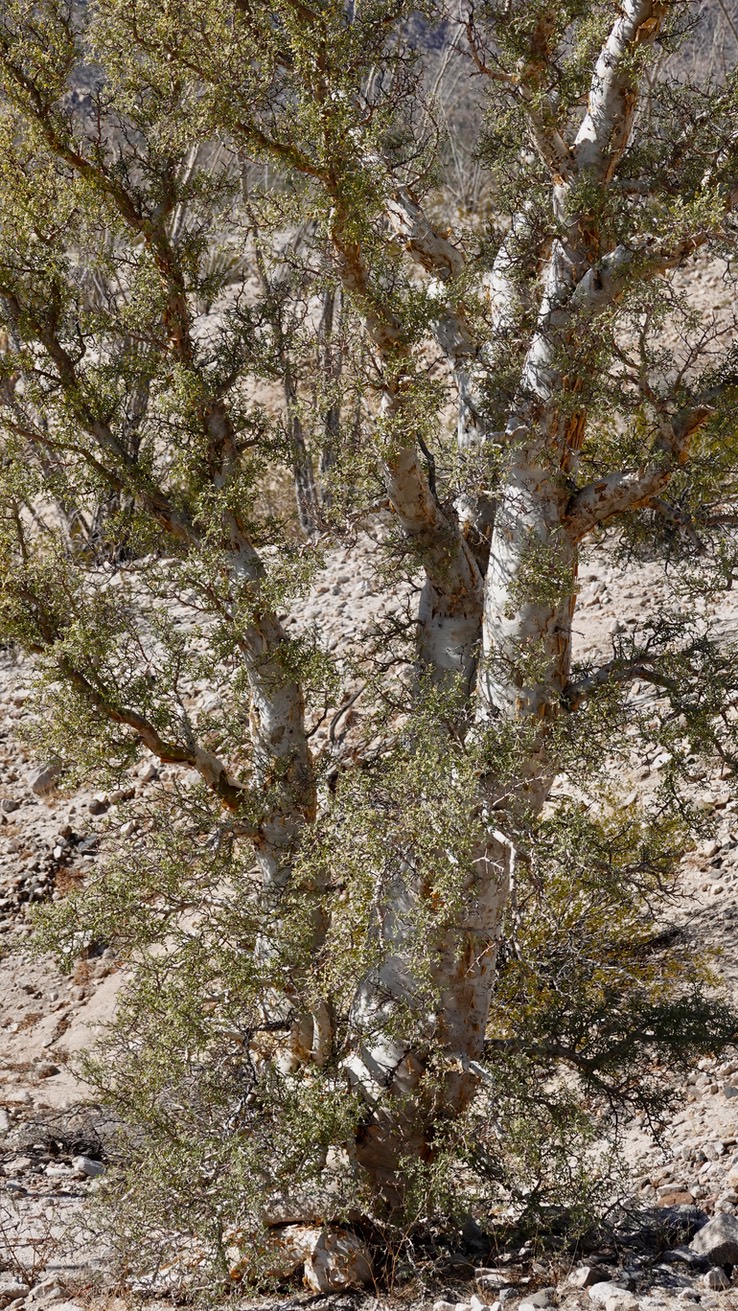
(615, 671)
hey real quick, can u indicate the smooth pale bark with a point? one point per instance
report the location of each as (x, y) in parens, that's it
(412, 1086)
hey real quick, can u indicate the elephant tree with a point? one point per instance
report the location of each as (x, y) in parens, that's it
(335, 998)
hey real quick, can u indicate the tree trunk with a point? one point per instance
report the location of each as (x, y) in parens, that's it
(412, 1087)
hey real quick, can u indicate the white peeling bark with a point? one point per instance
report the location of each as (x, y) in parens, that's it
(605, 130)
(529, 596)
(411, 1086)
(451, 600)
(451, 603)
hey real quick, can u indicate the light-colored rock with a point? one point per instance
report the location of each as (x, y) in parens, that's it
(544, 1297)
(44, 780)
(622, 1300)
(333, 1258)
(587, 1275)
(716, 1278)
(11, 1287)
(68, 1306)
(718, 1240)
(491, 1277)
(86, 1166)
(599, 1293)
(444, 1306)
(338, 1260)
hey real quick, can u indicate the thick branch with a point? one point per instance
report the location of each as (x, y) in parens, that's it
(605, 131)
(630, 489)
(412, 227)
(212, 770)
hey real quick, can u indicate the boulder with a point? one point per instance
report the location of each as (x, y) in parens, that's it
(587, 1275)
(333, 1258)
(338, 1260)
(87, 1166)
(599, 1293)
(718, 1240)
(674, 1197)
(716, 1278)
(543, 1298)
(44, 780)
(621, 1300)
(11, 1287)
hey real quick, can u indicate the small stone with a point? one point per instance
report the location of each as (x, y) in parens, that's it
(491, 1277)
(47, 1070)
(718, 1240)
(85, 1165)
(674, 1197)
(476, 1303)
(98, 805)
(9, 804)
(716, 1278)
(444, 1306)
(544, 1297)
(729, 1090)
(11, 1288)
